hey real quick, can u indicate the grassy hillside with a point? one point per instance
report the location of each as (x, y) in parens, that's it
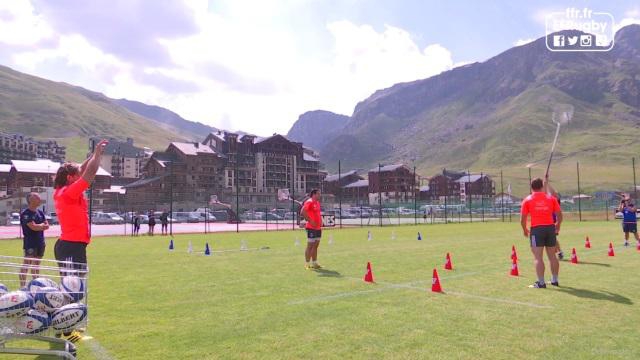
(50, 110)
(497, 115)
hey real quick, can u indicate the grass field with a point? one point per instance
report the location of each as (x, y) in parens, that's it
(149, 303)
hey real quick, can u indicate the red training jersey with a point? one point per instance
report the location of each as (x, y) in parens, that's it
(71, 207)
(312, 208)
(541, 207)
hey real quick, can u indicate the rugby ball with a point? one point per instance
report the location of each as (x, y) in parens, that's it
(3, 289)
(33, 322)
(69, 317)
(15, 303)
(73, 287)
(40, 282)
(48, 299)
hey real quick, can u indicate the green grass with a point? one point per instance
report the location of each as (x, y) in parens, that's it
(149, 303)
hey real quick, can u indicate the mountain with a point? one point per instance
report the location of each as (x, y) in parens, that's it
(165, 116)
(316, 128)
(496, 115)
(70, 115)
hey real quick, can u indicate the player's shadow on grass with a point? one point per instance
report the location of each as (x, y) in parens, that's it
(596, 295)
(328, 273)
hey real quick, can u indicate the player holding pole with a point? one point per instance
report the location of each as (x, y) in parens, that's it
(542, 235)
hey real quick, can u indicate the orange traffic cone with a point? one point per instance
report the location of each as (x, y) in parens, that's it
(435, 282)
(611, 252)
(638, 245)
(587, 243)
(574, 256)
(514, 268)
(448, 265)
(514, 255)
(368, 277)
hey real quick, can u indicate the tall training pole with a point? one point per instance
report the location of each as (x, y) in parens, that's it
(92, 145)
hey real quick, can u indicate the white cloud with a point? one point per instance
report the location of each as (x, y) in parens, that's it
(632, 16)
(250, 71)
(19, 25)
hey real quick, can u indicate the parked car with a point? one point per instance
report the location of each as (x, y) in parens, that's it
(52, 218)
(186, 217)
(106, 218)
(272, 217)
(13, 219)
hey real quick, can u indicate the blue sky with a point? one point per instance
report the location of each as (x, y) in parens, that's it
(257, 65)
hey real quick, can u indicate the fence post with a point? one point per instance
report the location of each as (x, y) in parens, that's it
(579, 193)
(501, 197)
(415, 197)
(635, 186)
(379, 195)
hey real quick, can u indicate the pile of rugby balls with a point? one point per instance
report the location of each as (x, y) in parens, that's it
(44, 304)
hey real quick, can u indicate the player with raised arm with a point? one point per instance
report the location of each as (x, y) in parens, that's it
(70, 183)
(311, 212)
(542, 234)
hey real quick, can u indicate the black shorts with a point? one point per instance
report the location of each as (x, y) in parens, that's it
(543, 236)
(71, 251)
(314, 235)
(630, 227)
(36, 251)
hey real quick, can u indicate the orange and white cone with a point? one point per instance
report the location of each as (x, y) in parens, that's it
(514, 255)
(448, 265)
(368, 277)
(574, 256)
(514, 268)
(435, 282)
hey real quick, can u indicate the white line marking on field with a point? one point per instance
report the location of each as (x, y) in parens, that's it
(410, 285)
(96, 349)
(500, 300)
(386, 286)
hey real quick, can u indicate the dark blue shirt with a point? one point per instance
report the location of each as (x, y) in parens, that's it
(32, 238)
(629, 216)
